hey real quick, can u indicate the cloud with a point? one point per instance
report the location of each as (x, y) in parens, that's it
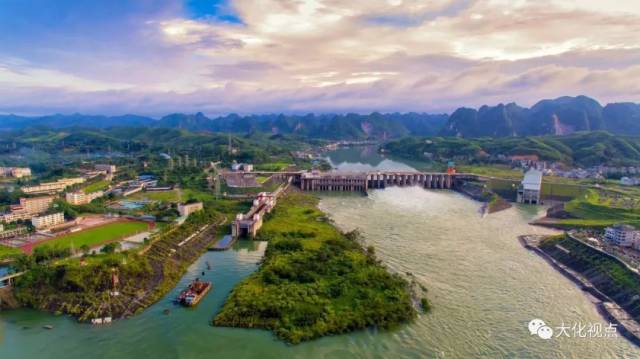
(153, 57)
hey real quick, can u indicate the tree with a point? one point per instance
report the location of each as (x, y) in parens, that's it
(85, 248)
(110, 247)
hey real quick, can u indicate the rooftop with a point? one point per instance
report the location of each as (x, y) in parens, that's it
(532, 180)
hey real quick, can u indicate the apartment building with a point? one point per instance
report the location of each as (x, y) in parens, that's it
(36, 205)
(48, 221)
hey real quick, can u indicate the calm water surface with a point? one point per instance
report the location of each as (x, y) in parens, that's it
(483, 285)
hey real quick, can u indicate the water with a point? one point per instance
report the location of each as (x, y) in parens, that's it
(483, 285)
(364, 159)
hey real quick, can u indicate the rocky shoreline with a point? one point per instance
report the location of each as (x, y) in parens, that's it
(627, 326)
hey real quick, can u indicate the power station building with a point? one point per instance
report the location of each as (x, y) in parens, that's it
(530, 189)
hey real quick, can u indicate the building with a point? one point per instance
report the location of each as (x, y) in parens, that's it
(48, 221)
(52, 187)
(248, 224)
(15, 172)
(110, 169)
(36, 205)
(77, 198)
(15, 215)
(530, 189)
(245, 167)
(10, 233)
(27, 208)
(622, 235)
(186, 209)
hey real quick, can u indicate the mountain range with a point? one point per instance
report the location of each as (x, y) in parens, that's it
(560, 116)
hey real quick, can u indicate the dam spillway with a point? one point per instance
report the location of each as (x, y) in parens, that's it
(363, 181)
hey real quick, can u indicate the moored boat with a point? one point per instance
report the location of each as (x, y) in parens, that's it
(194, 293)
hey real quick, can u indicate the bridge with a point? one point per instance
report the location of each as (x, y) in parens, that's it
(6, 280)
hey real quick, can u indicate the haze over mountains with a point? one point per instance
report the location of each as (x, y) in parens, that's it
(561, 116)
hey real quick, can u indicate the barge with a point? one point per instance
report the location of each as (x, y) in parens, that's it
(194, 293)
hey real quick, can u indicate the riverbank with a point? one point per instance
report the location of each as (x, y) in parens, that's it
(314, 280)
(607, 307)
(492, 202)
(116, 285)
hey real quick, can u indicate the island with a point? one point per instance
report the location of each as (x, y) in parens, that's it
(315, 280)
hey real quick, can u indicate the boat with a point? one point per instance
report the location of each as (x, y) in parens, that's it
(194, 293)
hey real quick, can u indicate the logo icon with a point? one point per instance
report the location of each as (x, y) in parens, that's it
(539, 328)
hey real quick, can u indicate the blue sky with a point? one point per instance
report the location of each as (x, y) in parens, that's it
(216, 10)
(154, 57)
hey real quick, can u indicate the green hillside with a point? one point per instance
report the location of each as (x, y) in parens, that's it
(580, 149)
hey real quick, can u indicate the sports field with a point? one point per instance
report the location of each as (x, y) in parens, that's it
(98, 235)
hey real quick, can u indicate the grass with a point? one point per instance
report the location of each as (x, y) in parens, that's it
(8, 252)
(594, 209)
(314, 280)
(165, 196)
(97, 235)
(272, 166)
(262, 179)
(174, 196)
(500, 171)
(96, 186)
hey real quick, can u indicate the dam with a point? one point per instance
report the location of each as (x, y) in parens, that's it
(340, 181)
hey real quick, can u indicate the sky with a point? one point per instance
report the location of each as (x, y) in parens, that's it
(154, 57)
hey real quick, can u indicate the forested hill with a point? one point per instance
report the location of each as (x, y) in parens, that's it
(561, 116)
(581, 149)
(334, 127)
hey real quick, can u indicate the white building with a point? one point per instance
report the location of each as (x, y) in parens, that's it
(622, 235)
(47, 221)
(80, 197)
(530, 188)
(186, 209)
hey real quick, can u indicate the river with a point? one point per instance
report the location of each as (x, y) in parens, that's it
(483, 285)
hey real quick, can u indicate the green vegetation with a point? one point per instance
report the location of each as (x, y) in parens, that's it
(97, 235)
(8, 252)
(272, 166)
(607, 274)
(598, 209)
(580, 149)
(83, 287)
(314, 280)
(501, 171)
(96, 186)
(172, 196)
